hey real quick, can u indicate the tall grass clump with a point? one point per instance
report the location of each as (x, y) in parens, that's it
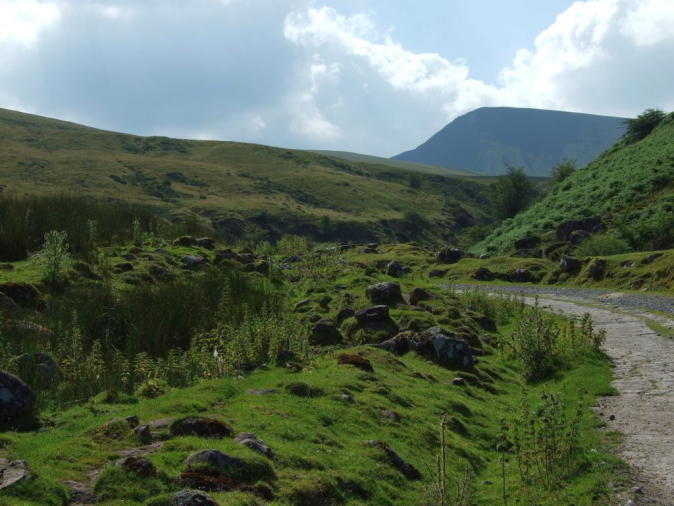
(601, 245)
(54, 258)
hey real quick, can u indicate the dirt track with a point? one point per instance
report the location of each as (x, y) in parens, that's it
(644, 410)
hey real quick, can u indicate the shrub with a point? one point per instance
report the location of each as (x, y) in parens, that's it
(641, 126)
(563, 170)
(601, 245)
(54, 258)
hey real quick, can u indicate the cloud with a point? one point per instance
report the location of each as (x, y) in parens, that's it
(22, 20)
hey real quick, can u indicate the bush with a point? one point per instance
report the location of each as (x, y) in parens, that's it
(601, 245)
(641, 126)
(563, 170)
(54, 258)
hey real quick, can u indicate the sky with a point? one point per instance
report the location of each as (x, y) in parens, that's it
(372, 76)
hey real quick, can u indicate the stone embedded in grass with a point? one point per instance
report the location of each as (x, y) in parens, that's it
(16, 398)
(520, 276)
(356, 361)
(325, 333)
(569, 264)
(437, 273)
(419, 295)
(7, 303)
(373, 314)
(458, 381)
(398, 345)
(394, 416)
(394, 269)
(527, 242)
(124, 267)
(213, 458)
(193, 261)
(214, 481)
(38, 368)
(261, 391)
(144, 433)
(408, 470)
(139, 466)
(13, 472)
(160, 273)
(202, 427)
(483, 274)
(302, 303)
(345, 313)
(257, 445)
(596, 269)
(205, 242)
(448, 255)
(303, 390)
(192, 498)
(384, 293)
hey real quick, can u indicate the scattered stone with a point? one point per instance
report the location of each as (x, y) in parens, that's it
(437, 273)
(160, 423)
(137, 465)
(394, 269)
(520, 276)
(458, 381)
(301, 389)
(442, 347)
(132, 421)
(185, 241)
(612, 417)
(596, 269)
(527, 242)
(255, 444)
(160, 273)
(302, 303)
(650, 258)
(13, 472)
(553, 247)
(192, 498)
(408, 470)
(569, 264)
(260, 266)
(144, 433)
(391, 415)
(193, 261)
(261, 391)
(202, 427)
(293, 366)
(484, 256)
(23, 294)
(293, 259)
(578, 236)
(384, 293)
(487, 482)
(124, 267)
(7, 303)
(205, 242)
(637, 490)
(38, 368)
(325, 333)
(325, 302)
(213, 458)
(16, 398)
(565, 230)
(356, 361)
(483, 274)
(419, 295)
(128, 257)
(227, 254)
(448, 255)
(344, 314)
(372, 314)
(370, 251)
(398, 345)
(348, 399)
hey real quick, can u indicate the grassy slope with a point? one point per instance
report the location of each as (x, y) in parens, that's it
(624, 179)
(278, 189)
(400, 164)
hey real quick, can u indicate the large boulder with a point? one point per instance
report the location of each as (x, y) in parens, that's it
(483, 274)
(442, 347)
(38, 368)
(394, 269)
(384, 293)
(372, 314)
(325, 333)
(520, 276)
(214, 459)
(420, 295)
(448, 255)
(257, 445)
(596, 269)
(569, 264)
(13, 472)
(192, 498)
(202, 427)
(578, 236)
(565, 229)
(527, 242)
(16, 398)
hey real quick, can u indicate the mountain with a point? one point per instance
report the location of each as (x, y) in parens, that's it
(241, 190)
(631, 186)
(390, 162)
(487, 139)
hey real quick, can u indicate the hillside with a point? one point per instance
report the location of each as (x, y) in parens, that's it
(487, 139)
(241, 190)
(390, 162)
(630, 185)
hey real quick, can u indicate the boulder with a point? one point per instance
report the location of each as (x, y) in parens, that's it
(261, 266)
(569, 264)
(13, 472)
(553, 247)
(6, 302)
(596, 269)
(193, 261)
(448, 255)
(192, 498)
(527, 242)
(356, 361)
(205, 242)
(442, 347)
(160, 273)
(437, 273)
(394, 269)
(373, 314)
(185, 241)
(293, 259)
(384, 293)
(565, 229)
(137, 465)
(578, 236)
(345, 313)
(419, 295)
(257, 445)
(483, 274)
(520, 276)
(408, 470)
(589, 224)
(227, 254)
(202, 427)
(325, 333)
(213, 458)
(38, 368)
(16, 398)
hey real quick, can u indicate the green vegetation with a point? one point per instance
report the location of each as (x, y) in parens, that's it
(562, 170)
(512, 194)
(641, 126)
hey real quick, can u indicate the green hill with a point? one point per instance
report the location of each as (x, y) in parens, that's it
(400, 164)
(242, 190)
(631, 185)
(487, 139)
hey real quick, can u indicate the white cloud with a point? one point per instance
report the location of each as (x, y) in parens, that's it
(22, 20)
(649, 22)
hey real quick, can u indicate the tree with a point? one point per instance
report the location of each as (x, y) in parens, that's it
(513, 193)
(563, 170)
(639, 127)
(414, 179)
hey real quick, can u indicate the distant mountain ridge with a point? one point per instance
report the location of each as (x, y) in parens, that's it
(487, 139)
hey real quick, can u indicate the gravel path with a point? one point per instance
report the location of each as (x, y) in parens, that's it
(643, 375)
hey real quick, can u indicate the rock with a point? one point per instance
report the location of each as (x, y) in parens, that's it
(132, 421)
(371, 251)
(483, 274)
(651, 258)
(227, 254)
(325, 333)
(185, 241)
(16, 398)
(419, 295)
(564, 230)
(324, 302)
(7, 303)
(637, 490)
(13, 472)
(458, 381)
(348, 399)
(302, 303)
(553, 247)
(384, 293)
(144, 433)
(38, 368)
(261, 391)
(205, 242)
(569, 264)
(202, 427)
(23, 294)
(520, 276)
(213, 458)
(356, 361)
(6, 267)
(138, 465)
(372, 314)
(391, 415)
(596, 269)
(394, 269)
(192, 498)
(442, 347)
(589, 224)
(484, 256)
(598, 228)
(527, 242)
(293, 259)
(437, 273)
(408, 470)
(261, 266)
(160, 273)
(398, 345)
(293, 366)
(344, 314)
(193, 261)
(448, 255)
(255, 444)
(578, 236)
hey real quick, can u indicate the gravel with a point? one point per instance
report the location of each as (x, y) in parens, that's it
(611, 297)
